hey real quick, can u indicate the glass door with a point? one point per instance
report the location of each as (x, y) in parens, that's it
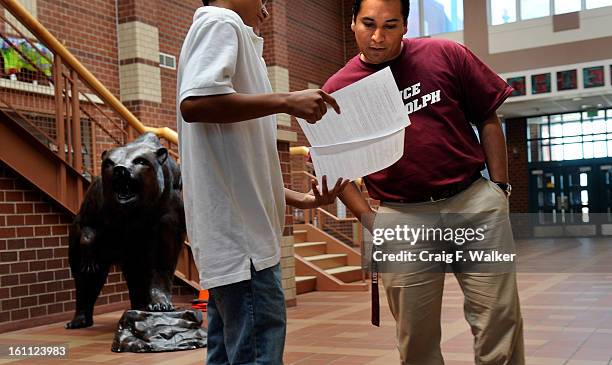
(562, 194)
(576, 194)
(606, 190)
(544, 192)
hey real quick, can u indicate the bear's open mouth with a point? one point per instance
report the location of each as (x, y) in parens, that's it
(125, 190)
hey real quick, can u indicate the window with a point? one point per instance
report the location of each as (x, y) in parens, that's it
(414, 20)
(531, 9)
(570, 136)
(503, 11)
(167, 61)
(430, 17)
(592, 4)
(340, 209)
(508, 11)
(567, 6)
(441, 16)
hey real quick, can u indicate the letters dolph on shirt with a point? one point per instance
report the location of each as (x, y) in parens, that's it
(418, 103)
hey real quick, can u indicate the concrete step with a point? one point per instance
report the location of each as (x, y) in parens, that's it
(347, 274)
(328, 261)
(310, 248)
(300, 235)
(305, 284)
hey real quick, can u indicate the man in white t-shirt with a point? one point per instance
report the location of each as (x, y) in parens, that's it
(233, 188)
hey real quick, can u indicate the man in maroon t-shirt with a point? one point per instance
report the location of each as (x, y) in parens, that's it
(445, 87)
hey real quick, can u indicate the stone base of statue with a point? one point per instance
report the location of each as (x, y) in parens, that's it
(140, 331)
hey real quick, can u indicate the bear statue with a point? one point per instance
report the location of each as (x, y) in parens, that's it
(133, 216)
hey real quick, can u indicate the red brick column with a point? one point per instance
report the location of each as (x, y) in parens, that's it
(516, 136)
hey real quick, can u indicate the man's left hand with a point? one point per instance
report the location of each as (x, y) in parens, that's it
(314, 198)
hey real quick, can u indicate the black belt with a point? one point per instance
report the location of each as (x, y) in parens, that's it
(444, 192)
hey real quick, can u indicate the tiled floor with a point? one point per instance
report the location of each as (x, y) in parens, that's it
(568, 321)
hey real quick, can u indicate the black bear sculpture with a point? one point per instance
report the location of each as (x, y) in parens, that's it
(133, 216)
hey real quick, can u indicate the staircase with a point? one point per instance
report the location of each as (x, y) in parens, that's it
(32, 159)
(83, 118)
(324, 263)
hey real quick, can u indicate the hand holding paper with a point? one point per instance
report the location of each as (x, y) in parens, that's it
(369, 134)
(310, 105)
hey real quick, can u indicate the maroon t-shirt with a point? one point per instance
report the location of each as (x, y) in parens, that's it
(444, 87)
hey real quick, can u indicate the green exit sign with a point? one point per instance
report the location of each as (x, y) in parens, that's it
(592, 113)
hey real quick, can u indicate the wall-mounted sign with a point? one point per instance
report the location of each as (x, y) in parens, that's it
(567, 80)
(593, 76)
(519, 84)
(14, 51)
(540, 84)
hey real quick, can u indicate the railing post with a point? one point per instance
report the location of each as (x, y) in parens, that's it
(130, 133)
(76, 132)
(357, 234)
(59, 123)
(94, 149)
(76, 123)
(59, 107)
(68, 110)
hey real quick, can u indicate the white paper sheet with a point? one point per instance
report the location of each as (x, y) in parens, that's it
(356, 159)
(366, 137)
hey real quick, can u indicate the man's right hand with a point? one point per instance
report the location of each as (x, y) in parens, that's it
(310, 105)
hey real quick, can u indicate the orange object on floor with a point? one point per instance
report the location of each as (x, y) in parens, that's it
(202, 302)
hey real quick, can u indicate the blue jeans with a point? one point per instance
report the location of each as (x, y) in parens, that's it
(247, 321)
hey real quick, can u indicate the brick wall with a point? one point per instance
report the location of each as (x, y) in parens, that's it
(95, 46)
(274, 33)
(350, 46)
(36, 286)
(315, 51)
(516, 135)
(315, 45)
(35, 282)
(172, 20)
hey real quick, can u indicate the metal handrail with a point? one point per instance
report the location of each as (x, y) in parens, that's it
(336, 218)
(299, 151)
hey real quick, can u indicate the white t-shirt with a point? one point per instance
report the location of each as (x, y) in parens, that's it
(233, 187)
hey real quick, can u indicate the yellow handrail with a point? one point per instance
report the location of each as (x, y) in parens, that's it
(164, 132)
(46, 37)
(335, 218)
(299, 151)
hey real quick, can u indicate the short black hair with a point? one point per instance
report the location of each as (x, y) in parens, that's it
(405, 9)
(206, 2)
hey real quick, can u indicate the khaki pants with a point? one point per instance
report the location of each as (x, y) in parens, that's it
(491, 304)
